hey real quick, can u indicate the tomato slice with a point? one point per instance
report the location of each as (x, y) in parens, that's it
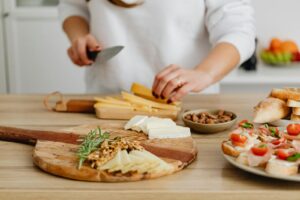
(276, 142)
(238, 139)
(245, 124)
(260, 149)
(293, 129)
(283, 154)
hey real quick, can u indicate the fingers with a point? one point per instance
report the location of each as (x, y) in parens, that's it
(81, 48)
(93, 44)
(162, 79)
(74, 57)
(181, 92)
(78, 51)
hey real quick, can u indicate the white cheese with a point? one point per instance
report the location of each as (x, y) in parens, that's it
(135, 123)
(154, 122)
(169, 132)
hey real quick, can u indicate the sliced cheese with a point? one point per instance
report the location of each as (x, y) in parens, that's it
(111, 100)
(169, 132)
(135, 123)
(108, 105)
(143, 91)
(141, 101)
(155, 122)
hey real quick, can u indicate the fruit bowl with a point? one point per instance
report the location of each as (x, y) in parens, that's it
(281, 53)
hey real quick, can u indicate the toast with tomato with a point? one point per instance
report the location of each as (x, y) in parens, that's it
(257, 156)
(292, 132)
(240, 140)
(284, 163)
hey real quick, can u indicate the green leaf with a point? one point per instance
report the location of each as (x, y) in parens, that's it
(294, 157)
(247, 125)
(90, 143)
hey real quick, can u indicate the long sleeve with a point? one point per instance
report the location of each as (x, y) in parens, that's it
(69, 8)
(232, 21)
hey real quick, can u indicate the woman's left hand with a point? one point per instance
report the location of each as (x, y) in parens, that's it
(174, 82)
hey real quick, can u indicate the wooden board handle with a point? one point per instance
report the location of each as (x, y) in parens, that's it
(80, 106)
(72, 105)
(31, 136)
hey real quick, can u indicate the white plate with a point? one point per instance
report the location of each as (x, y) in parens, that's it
(260, 171)
(282, 122)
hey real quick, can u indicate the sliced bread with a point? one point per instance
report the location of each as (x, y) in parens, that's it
(286, 93)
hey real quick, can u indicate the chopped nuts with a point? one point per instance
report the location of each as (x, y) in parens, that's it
(109, 149)
(208, 118)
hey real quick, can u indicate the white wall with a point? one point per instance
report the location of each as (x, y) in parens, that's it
(2, 61)
(277, 18)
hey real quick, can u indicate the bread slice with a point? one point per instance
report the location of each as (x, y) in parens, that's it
(229, 149)
(269, 110)
(281, 167)
(293, 103)
(296, 111)
(286, 93)
(295, 117)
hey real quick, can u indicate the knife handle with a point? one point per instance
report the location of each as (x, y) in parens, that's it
(92, 55)
(31, 136)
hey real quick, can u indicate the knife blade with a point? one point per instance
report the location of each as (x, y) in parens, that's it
(105, 54)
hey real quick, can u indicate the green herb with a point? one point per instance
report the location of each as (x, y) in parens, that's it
(262, 146)
(90, 143)
(294, 157)
(266, 125)
(247, 125)
(273, 131)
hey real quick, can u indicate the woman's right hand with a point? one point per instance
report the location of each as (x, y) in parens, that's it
(78, 50)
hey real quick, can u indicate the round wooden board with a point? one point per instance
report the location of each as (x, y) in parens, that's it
(60, 158)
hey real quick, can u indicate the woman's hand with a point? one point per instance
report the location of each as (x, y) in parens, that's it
(78, 50)
(174, 82)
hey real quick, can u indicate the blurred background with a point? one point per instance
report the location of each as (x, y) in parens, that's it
(33, 47)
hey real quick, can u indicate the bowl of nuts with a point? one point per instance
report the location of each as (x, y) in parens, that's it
(209, 121)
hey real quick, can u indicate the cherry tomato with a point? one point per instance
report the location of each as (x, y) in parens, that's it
(260, 149)
(276, 142)
(238, 139)
(283, 154)
(245, 124)
(293, 129)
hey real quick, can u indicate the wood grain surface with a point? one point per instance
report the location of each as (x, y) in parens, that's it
(209, 177)
(60, 158)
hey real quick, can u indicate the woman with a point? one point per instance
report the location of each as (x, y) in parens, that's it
(205, 39)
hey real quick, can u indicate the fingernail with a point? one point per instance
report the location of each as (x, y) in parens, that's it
(162, 97)
(169, 101)
(155, 95)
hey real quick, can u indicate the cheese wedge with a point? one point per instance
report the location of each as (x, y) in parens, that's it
(142, 91)
(169, 132)
(141, 101)
(135, 123)
(155, 122)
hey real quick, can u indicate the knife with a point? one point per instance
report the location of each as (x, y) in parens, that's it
(104, 54)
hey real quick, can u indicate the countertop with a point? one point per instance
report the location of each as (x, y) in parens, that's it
(209, 177)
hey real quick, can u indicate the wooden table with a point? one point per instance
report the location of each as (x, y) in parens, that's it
(209, 177)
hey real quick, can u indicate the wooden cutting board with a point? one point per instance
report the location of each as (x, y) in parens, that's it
(117, 113)
(59, 158)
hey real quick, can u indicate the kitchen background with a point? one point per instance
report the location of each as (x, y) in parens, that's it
(33, 47)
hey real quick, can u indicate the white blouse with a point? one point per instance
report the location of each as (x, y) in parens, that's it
(158, 33)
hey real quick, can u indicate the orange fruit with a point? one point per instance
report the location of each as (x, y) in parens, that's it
(275, 45)
(289, 46)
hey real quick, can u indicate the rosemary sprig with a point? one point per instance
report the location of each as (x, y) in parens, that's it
(90, 143)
